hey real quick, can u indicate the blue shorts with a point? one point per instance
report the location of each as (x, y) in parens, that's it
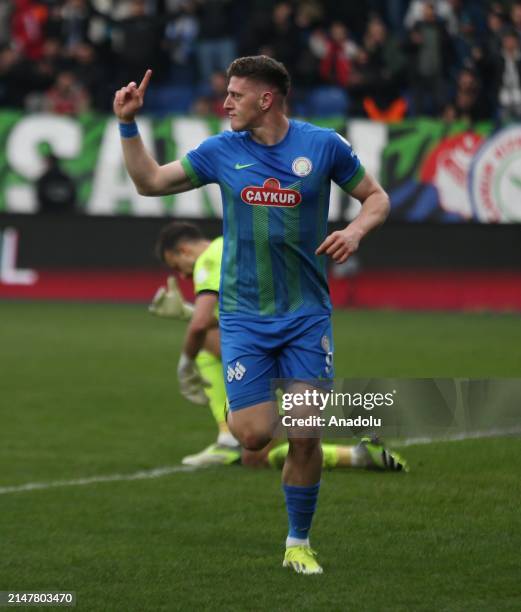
(256, 351)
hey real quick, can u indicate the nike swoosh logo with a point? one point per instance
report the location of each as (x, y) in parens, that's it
(241, 166)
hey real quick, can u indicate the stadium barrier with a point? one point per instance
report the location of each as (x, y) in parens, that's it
(401, 266)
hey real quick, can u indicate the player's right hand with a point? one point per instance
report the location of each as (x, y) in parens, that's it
(128, 100)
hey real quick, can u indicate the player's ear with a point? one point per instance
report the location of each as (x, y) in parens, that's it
(266, 100)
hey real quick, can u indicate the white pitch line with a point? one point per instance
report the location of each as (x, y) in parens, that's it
(175, 469)
(142, 475)
(468, 435)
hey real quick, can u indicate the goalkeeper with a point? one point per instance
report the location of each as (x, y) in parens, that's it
(182, 247)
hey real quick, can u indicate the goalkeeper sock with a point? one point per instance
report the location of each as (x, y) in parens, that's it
(329, 456)
(277, 456)
(300, 503)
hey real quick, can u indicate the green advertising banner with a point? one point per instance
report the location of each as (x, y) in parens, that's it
(434, 171)
(90, 152)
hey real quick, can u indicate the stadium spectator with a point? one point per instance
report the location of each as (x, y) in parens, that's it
(67, 96)
(216, 45)
(495, 25)
(508, 71)
(53, 58)
(308, 19)
(469, 101)
(43, 74)
(464, 40)
(336, 55)
(181, 33)
(353, 14)
(202, 107)
(515, 18)
(28, 27)
(212, 102)
(430, 45)
(55, 190)
(485, 56)
(74, 22)
(21, 78)
(394, 13)
(92, 74)
(443, 9)
(137, 41)
(278, 36)
(376, 78)
(218, 84)
(386, 67)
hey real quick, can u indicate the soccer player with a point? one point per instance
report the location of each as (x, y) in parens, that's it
(183, 248)
(274, 306)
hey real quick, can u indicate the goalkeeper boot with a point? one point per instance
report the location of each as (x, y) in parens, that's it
(215, 454)
(302, 560)
(380, 458)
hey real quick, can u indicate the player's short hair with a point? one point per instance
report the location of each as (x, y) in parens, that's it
(262, 69)
(173, 234)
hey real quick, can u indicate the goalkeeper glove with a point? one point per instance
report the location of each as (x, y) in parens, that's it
(191, 383)
(168, 302)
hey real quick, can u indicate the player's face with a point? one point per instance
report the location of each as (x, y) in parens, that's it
(243, 103)
(181, 261)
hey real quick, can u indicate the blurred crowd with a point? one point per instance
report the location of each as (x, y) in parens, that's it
(370, 58)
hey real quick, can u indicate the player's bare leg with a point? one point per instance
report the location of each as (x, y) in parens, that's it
(301, 483)
(255, 426)
(303, 465)
(258, 459)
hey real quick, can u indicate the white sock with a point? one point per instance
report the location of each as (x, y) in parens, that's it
(296, 542)
(358, 458)
(225, 438)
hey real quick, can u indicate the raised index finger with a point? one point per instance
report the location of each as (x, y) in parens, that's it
(144, 83)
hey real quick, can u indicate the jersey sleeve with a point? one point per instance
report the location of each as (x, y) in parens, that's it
(200, 163)
(346, 169)
(207, 270)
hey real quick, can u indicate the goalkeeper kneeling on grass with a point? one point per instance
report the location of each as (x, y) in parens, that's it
(183, 248)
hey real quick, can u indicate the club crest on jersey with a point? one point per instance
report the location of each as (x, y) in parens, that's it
(301, 166)
(271, 194)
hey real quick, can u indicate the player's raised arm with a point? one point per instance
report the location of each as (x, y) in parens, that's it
(341, 244)
(149, 177)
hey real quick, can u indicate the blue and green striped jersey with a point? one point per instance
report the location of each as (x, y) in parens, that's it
(275, 210)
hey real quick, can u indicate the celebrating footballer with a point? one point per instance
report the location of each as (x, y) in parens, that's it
(274, 305)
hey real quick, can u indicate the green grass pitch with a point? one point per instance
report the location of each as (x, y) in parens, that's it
(91, 391)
